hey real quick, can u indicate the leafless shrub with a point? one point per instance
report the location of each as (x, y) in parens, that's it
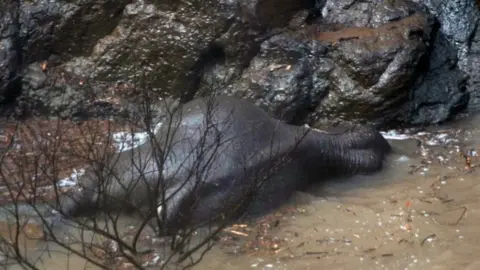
(38, 152)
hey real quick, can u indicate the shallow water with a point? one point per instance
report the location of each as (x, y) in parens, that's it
(420, 212)
(401, 218)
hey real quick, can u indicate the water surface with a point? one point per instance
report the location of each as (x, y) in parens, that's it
(421, 212)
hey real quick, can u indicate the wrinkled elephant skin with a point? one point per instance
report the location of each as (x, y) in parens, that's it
(223, 157)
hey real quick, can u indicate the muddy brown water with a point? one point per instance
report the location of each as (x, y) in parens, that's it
(421, 212)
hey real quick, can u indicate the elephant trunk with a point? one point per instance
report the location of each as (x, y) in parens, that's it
(360, 151)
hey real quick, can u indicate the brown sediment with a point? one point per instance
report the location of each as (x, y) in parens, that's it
(387, 33)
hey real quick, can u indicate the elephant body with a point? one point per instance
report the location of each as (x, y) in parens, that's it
(218, 158)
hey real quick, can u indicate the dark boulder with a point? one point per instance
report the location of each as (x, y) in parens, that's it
(173, 43)
(459, 30)
(318, 62)
(33, 31)
(10, 61)
(377, 67)
(54, 93)
(441, 92)
(327, 77)
(438, 80)
(351, 13)
(288, 78)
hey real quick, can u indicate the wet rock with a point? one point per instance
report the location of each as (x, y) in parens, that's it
(63, 102)
(459, 23)
(471, 67)
(358, 61)
(72, 102)
(55, 93)
(375, 68)
(441, 92)
(10, 68)
(173, 44)
(374, 13)
(325, 78)
(34, 30)
(9, 54)
(34, 77)
(288, 77)
(438, 89)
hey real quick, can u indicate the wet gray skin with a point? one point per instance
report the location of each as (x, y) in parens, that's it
(223, 157)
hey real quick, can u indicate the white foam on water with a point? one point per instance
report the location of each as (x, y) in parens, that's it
(403, 159)
(442, 138)
(123, 141)
(72, 180)
(126, 140)
(394, 135)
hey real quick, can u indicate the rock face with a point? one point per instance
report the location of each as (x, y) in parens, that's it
(452, 77)
(375, 13)
(441, 91)
(325, 76)
(375, 67)
(459, 26)
(433, 87)
(315, 62)
(33, 31)
(288, 77)
(9, 55)
(174, 44)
